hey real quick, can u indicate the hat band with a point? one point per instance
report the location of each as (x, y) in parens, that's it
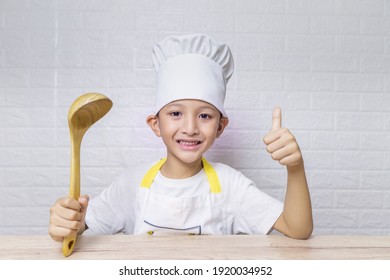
(191, 76)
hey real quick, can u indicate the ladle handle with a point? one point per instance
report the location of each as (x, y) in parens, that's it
(74, 188)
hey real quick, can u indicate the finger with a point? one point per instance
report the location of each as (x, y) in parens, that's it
(83, 200)
(68, 202)
(283, 152)
(276, 119)
(275, 145)
(66, 213)
(59, 233)
(290, 160)
(58, 221)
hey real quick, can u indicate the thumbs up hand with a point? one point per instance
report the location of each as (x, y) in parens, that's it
(281, 144)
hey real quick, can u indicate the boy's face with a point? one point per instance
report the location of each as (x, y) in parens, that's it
(188, 128)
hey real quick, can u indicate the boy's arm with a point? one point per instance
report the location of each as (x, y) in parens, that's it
(296, 219)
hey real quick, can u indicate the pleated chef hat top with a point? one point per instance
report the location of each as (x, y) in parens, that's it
(192, 67)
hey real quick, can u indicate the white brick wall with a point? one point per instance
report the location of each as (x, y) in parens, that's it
(326, 63)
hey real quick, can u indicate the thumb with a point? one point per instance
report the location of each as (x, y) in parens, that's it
(276, 118)
(83, 200)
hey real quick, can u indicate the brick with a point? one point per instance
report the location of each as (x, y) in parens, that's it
(375, 141)
(84, 5)
(308, 81)
(148, 6)
(14, 38)
(310, 43)
(359, 44)
(374, 25)
(11, 197)
(69, 20)
(82, 78)
(259, 43)
(259, 81)
(42, 117)
(147, 22)
(29, 137)
(260, 7)
(357, 82)
(145, 78)
(24, 98)
(336, 218)
(282, 24)
(122, 78)
(14, 77)
(322, 160)
(375, 180)
(308, 120)
(375, 219)
(43, 39)
(334, 63)
(81, 39)
(359, 121)
(30, 19)
(15, 5)
(220, 23)
(321, 199)
(248, 23)
(222, 6)
(343, 25)
(386, 164)
(354, 160)
(172, 6)
(387, 7)
(42, 197)
(358, 200)
(376, 64)
(290, 101)
(16, 216)
(386, 199)
(15, 157)
(334, 179)
(42, 78)
(358, 231)
(307, 7)
(13, 117)
(42, 157)
(360, 7)
(247, 62)
(285, 63)
(334, 141)
(328, 101)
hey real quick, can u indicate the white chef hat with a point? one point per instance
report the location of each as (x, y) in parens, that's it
(192, 67)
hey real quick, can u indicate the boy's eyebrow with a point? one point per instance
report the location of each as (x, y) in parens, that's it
(202, 107)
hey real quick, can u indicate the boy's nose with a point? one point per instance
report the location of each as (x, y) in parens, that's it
(190, 126)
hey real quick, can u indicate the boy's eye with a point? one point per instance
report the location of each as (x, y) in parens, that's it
(175, 114)
(204, 116)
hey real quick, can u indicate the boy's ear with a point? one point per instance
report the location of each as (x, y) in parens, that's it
(223, 123)
(154, 124)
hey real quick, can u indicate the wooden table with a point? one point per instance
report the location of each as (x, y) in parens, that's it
(273, 247)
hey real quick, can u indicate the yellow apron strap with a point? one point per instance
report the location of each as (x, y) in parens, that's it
(149, 176)
(212, 177)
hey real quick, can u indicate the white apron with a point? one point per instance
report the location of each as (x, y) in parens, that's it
(159, 214)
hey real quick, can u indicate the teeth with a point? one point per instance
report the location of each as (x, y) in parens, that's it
(186, 143)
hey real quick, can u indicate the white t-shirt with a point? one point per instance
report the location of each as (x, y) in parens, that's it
(249, 210)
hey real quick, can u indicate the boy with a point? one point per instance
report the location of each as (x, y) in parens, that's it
(184, 193)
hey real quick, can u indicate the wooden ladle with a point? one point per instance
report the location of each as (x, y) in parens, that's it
(83, 113)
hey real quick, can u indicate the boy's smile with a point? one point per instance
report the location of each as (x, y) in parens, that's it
(188, 128)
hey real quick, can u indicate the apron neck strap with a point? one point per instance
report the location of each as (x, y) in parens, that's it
(212, 177)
